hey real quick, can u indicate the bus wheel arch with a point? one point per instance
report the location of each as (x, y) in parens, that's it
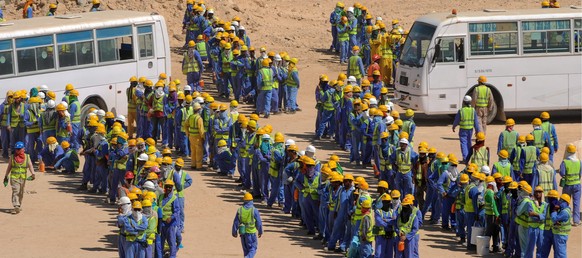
(497, 107)
(93, 101)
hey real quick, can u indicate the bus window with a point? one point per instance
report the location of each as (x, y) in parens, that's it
(6, 59)
(416, 44)
(546, 36)
(493, 38)
(578, 35)
(75, 48)
(115, 44)
(35, 53)
(452, 50)
(145, 41)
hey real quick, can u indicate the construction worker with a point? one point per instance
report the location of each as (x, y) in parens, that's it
(491, 213)
(546, 174)
(468, 120)
(384, 226)
(525, 206)
(101, 152)
(225, 59)
(571, 170)
(156, 114)
(262, 156)
(265, 81)
(48, 121)
(19, 163)
(460, 207)
(27, 10)
(536, 221)
(327, 100)
(503, 200)
(541, 137)
(408, 224)
(361, 195)
(561, 220)
(343, 39)
(152, 230)
(69, 161)
(365, 230)
(550, 129)
(201, 48)
(184, 181)
(16, 119)
(483, 101)
(195, 131)
(225, 159)
(247, 223)
(479, 153)
(31, 117)
(471, 205)
(408, 124)
(131, 105)
(335, 19)
(75, 118)
(528, 158)
(170, 218)
(503, 166)
(355, 65)
(402, 160)
(448, 191)
(352, 28)
(50, 152)
(508, 138)
(192, 66)
(135, 230)
(95, 6)
(275, 171)
(341, 225)
(292, 83)
(5, 127)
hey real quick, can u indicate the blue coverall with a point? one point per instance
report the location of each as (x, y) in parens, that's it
(466, 135)
(249, 241)
(169, 232)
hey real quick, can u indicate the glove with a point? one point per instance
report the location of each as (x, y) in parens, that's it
(290, 179)
(5, 181)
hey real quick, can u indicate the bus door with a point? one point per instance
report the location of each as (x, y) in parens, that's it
(447, 73)
(147, 63)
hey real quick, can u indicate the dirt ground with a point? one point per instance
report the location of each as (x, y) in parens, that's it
(59, 221)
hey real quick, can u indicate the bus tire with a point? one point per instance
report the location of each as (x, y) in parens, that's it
(92, 102)
(493, 113)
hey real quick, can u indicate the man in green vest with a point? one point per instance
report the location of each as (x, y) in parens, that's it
(523, 211)
(528, 158)
(194, 128)
(407, 226)
(343, 39)
(292, 83)
(17, 166)
(265, 80)
(247, 223)
(326, 94)
(16, 119)
(536, 223)
(545, 174)
(550, 129)
(69, 161)
(479, 153)
(541, 138)
(192, 66)
(355, 65)
(503, 166)
(31, 117)
(467, 119)
(135, 231)
(151, 213)
(201, 48)
(182, 180)
(5, 132)
(571, 170)
(131, 105)
(75, 116)
(483, 100)
(170, 218)
(365, 230)
(225, 58)
(508, 138)
(491, 213)
(562, 219)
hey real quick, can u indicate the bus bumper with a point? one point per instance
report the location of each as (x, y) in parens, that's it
(440, 102)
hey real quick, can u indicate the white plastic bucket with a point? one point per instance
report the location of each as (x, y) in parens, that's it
(483, 245)
(475, 232)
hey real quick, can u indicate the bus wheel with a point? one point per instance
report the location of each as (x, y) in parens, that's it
(493, 113)
(85, 110)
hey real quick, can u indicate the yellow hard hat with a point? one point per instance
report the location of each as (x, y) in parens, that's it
(539, 188)
(339, 4)
(521, 138)
(367, 204)
(392, 127)
(142, 79)
(136, 191)
(247, 197)
(51, 94)
(509, 122)
(74, 92)
(409, 113)
(163, 76)
(566, 198)
(61, 107)
(294, 60)
(326, 170)
(69, 87)
(506, 179)
(395, 21)
(234, 103)
(407, 201)
(553, 194)
(513, 185)
(545, 3)
(222, 143)
(169, 182)
(546, 150)
(133, 79)
(386, 197)
(395, 194)
(131, 142)
(366, 83)
(571, 148)
(254, 117)
(279, 138)
(527, 188)
(545, 115)
(480, 136)
(65, 144)
(544, 157)
(148, 83)
(348, 176)
(529, 137)
(293, 147)
(146, 203)
(404, 135)
(348, 89)
(308, 161)
(152, 176)
(227, 46)
(96, 2)
(52, 6)
(167, 160)
(364, 185)
(395, 114)
(337, 178)
(482, 79)
(109, 114)
(136, 205)
(188, 99)
(383, 184)
(503, 154)
(464, 178)
(166, 151)
(132, 196)
(179, 162)
(385, 135)
(536, 121)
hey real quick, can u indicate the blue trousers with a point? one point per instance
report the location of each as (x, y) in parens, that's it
(168, 132)
(384, 247)
(513, 247)
(404, 182)
(311, 213)
(169, 234)
(410, 246)
(238, 86)
(75, 141)
(159, 248)
(118, 177)
(100, 183)
(535, 238)
(337, 233)
(275, 100)
(156, 123)
(244, 169)
(523, 233)
(121, 246)
(353, 42)
(574, 192)
(548, 241)
(322, 220)
(264, 180)
(282, 96)
(182, 216)
(5, 136)
(366, 249)
(17, 135)
(134, 249)
(460, 217)
(88, 169)
(560, 246)
(33, 146)
(147, 127)
(470, 219)
(344, 50)
(256, 179)
(288, 191)
(334, 42)
(366, 60)
(367, 152)
(264, 102)
(276, 190)
(465, 138)
(292, 98)
(447, 215)
(326, 120)
(249, 244)
(356, 144)
(182, 141)
(226, 81)
(149, 251)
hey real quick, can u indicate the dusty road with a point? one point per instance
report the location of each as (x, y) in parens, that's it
(58, 221)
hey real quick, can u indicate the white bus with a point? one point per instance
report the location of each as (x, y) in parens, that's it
(97, 52)
(532, 59)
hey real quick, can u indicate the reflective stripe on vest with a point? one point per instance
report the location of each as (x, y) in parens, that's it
(404, 165)
(504, 204)
(290, 82)
(523, 219)
(344, 35)
(167, 209)
(547, 127)
(190, 64)
(5, 114)
(201, 47)
(18, 170)
(482, 96)
(530, 159)
(572, 175)
(140, 234)
(406, 126)
(489, 206)
(226, 59)
(503, 170)
(193, 124)
(131, 102)
(358, 213)
(367, 236)
(509, 140)
(467, 118)
(311, 189)
(267, 78)
(182, 182)
(539, 210)
(479, 156)
(76, 118)
(354, 68)
(247, 217)
(33, 118)
(546, 177)
(538, 138)
(151, 235)
(158, 104)
(468, 201)
(407, 227)
(515, 163)
(460, 201)
(353, 31)
(63, 131)
(328, 104)
(273, 165)
(564, 227)
(15, 117)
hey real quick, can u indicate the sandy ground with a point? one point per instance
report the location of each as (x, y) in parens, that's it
(58, 221)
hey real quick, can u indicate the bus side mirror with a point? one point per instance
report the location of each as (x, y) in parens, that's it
(437, 52)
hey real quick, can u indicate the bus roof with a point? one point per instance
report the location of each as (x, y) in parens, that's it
(72, 22)
(492, 15)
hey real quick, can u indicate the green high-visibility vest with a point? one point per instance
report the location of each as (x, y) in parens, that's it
(489, 206)
(158, 104)
(572, 175)
(358, 213)
(367, 235)
(353, 31)
(311, 189)
(539, 210)
(503, 170)
(182, 182)
(15, 117)
(467, 118)
(131, 102)
(5, 114)
(523, 219)
(509, 140)
(344, 35)
(328, 104)
(226, 59)
(468, 200)
(564, 227)
(405, 228)
(530, 159)
(482, 96)
(274, 166)
(189, 64)
(193, 124)
(247, 218)
(34, 128)
(538, 138)
(152, 229)
(290, 82)
(515, 163)
(140, 234)
(546, 177)
(547, 127)
(62, 131)
(267, 78)
(504, 204)
(403, 161)
(406, 126)
(459, 202)
(167, 209)
(479, 156)
(201, 47)
(354, 68)
(18, 170)
(76, 118)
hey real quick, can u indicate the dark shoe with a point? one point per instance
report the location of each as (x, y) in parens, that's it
(82, 187)
(463, 240)
(92, 191)
(310, 233)
(318, 237)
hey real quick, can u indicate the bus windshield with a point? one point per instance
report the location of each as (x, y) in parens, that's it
(416, 45)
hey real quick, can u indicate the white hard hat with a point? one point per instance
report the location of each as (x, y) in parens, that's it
(41, 95)
(390, 106)
(43, 87)
(219, 29)
(241, 28)
(187, 87)
(350, 9)
(352, 79)
(378, 18)
(277, 57)
(232, 28)
(301, 153)
(388, 120)
(210, 11)
(486, 170)
(199, 100)
(65, 104)
(120, 118)
(310, 148)
(467, 98)
(143, 157)
(149, 185)
(404, 140)
(123, 200)
(289, 142)
(196, 106)
(265, 136)
(50, 104)
(234, 23)
(373, 101)
(101, 112)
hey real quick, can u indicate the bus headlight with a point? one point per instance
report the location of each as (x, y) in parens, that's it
(416, 84)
